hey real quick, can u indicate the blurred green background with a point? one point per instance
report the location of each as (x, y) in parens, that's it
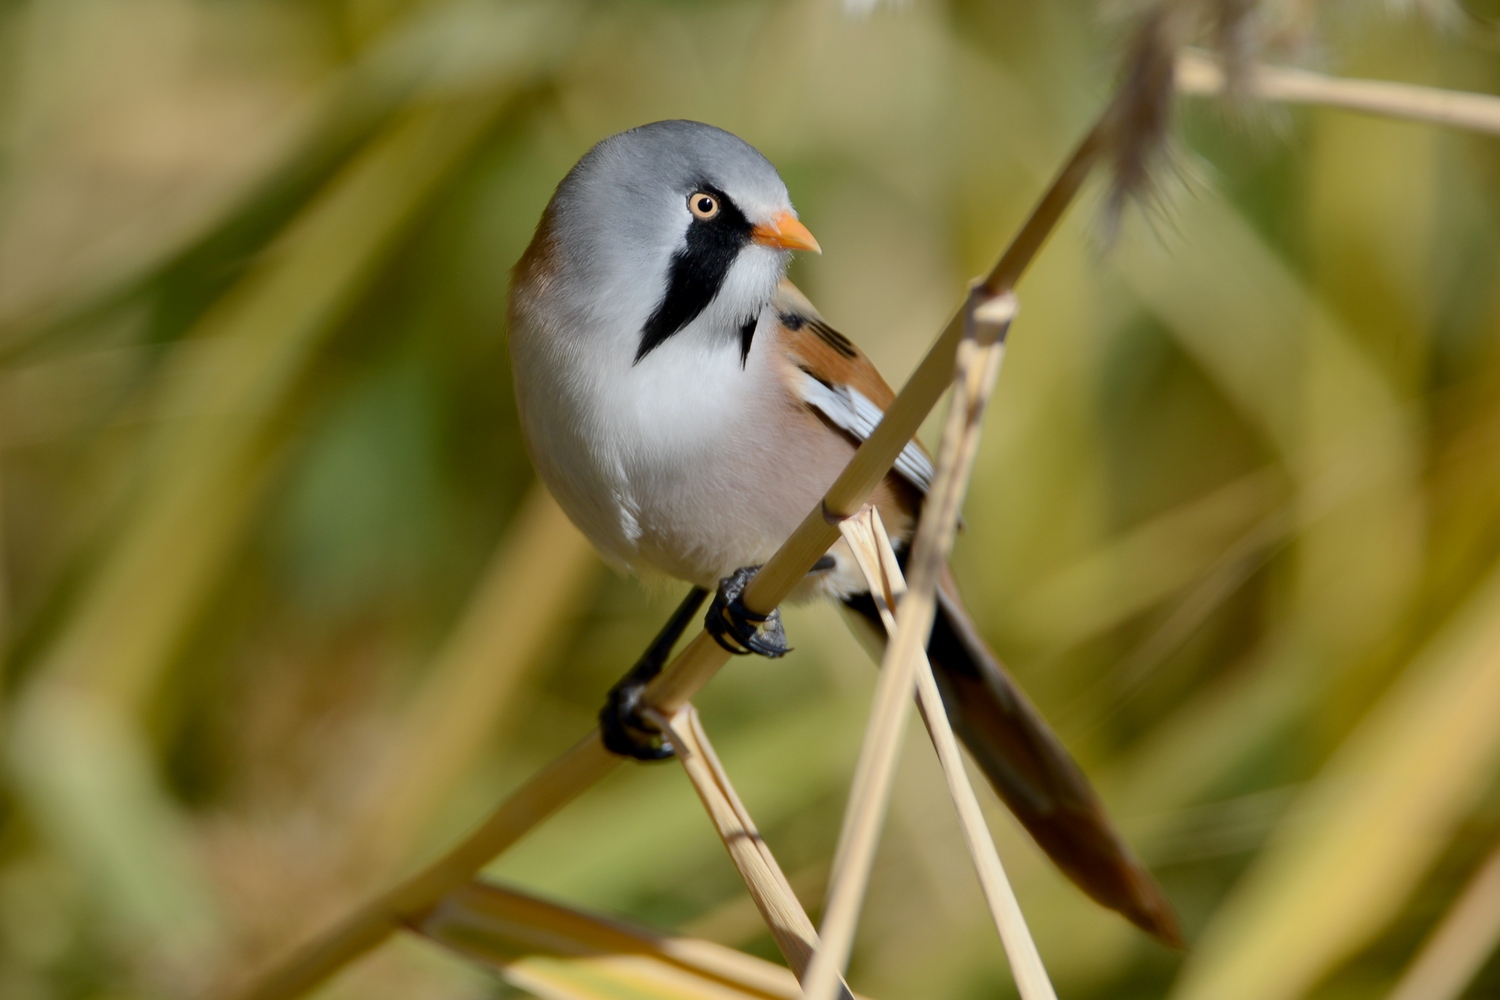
(283, 611)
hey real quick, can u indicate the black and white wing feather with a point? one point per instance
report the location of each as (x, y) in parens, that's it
(854, 413)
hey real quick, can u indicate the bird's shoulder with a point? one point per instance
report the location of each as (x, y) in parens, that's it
(823, 352)
(835, 379)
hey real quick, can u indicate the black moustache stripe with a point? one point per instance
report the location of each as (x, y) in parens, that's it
(697, 271)
(747, 335)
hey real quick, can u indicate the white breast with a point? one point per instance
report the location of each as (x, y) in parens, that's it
(678, 464)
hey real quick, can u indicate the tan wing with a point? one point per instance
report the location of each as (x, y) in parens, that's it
(836, 380)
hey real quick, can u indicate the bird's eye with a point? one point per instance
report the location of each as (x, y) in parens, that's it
(705, 206)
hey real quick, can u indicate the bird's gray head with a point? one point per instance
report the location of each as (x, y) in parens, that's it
(669, 228)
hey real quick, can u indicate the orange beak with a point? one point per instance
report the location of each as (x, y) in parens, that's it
(784, 232)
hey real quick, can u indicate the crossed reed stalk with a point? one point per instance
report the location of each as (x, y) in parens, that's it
(587, 761)
(966, 355)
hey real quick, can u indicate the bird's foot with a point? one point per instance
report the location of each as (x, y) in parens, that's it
(737, 628)
(621, 725)
(623, 729)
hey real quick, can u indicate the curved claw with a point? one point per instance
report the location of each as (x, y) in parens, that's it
(739, 630)
(620, 724)
(624, 731)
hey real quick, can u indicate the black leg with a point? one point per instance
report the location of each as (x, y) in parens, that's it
(624, 731)
(737, 628)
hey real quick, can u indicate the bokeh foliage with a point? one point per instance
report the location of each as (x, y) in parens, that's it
(283, 610)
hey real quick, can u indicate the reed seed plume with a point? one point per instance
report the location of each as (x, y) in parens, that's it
(1140, 137)
(1236, 34)
(1141, 117)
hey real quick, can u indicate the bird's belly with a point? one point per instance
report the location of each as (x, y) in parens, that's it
(686, 465)
(694, 486)
(737, 501)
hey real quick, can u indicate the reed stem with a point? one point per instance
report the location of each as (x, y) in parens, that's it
(987, 319)
(789, 924)
(872, 548)
(587, 762)
(1200, 73)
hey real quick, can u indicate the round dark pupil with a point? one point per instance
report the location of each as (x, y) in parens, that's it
(705, 204)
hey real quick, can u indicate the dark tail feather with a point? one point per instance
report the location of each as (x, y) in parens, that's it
(1033, 773)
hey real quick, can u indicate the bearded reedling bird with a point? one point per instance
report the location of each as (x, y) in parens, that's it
(687, 407)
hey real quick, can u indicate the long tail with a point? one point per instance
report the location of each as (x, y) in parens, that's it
(1032, 771)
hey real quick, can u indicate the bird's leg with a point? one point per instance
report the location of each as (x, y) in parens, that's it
(736, 627)
(620, 722)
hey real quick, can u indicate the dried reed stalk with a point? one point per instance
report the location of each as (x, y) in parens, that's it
(556, 951)
(587, 761)
(987, 318)
(547, 791)
(773, 895)
(1460, 945)
(872, 549)
(1200, 73)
